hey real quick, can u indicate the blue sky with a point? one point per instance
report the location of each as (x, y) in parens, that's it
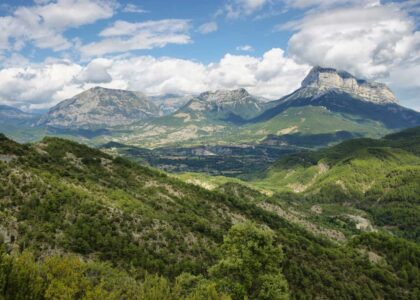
(257, 30)
(53, 49)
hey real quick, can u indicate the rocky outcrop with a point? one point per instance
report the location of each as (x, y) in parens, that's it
(227, 96)
(325, 79)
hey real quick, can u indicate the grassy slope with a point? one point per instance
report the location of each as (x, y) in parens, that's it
(191, 131)
(195, 128)
(59, 196)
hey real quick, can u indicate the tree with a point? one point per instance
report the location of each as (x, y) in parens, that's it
(250, 264)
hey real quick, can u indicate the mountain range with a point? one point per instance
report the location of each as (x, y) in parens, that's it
(265, 199)
(328, 101)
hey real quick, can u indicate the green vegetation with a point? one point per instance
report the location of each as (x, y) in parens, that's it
(124, 225)
(360, 182)
(189, 129)
(381, 177)
(251, 265)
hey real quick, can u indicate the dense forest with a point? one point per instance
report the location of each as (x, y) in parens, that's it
(77, 223)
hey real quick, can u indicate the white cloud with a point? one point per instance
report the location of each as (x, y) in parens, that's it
(96, 72)
(329, 3)
(132, 8)
(378, 42)
(44, 23)
(36, 86)
(272, 75)
(369, 42)
(245, 48)
(42, 85)
(208, 27)
(73, 13)
(124, 36)
(235, 9)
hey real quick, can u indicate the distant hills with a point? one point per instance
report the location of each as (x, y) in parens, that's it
(9, 114)
(329, 101)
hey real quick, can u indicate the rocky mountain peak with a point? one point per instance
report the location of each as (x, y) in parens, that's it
(223, 104)
(100, 106)
(223, 96)
(325, 79)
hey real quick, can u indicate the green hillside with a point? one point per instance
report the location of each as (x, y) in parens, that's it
(84, 225)
(376, 180)
(193, 128)
(381, 177)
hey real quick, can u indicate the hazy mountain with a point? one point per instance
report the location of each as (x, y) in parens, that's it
(11, 114)
(100, 107)
(170, 103)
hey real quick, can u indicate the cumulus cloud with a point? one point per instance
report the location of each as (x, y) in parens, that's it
(42, 85)
(36, 86)
(125, 36)
(44, 23)
(245, 48)
(369, 42)
(272, 75)
(96, 72)
(208, 27)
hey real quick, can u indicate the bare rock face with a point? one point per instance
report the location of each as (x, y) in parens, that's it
(325, 79)
(225, 102)
(100, 107)
(226, 96)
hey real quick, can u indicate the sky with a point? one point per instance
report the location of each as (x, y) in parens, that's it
(51, 50)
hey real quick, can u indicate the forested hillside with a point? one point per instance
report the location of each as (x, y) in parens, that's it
(64, 205)
(381, 177)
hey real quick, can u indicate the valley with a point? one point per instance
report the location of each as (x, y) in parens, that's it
(209, 150)
(63, 198)
(359, 184)
(155, 202)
